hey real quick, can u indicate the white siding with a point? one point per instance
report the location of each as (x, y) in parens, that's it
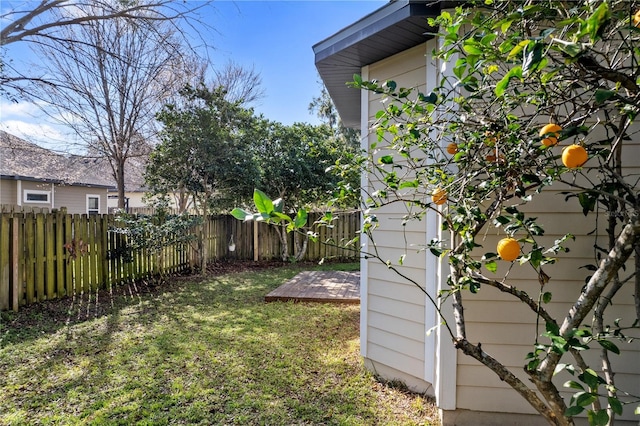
(395, 309)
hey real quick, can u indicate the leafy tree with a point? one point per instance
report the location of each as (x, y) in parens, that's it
(476, 151)
(294, 163)
(205, 153)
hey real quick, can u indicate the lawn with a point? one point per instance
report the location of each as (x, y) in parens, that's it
(195, 351)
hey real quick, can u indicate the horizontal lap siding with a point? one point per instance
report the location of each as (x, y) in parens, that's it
(8, 192)
(396, 308)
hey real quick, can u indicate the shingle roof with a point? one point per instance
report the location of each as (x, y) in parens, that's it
(20, 159)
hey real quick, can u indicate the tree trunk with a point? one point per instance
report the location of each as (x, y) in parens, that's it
(282, 234)
(120, 182)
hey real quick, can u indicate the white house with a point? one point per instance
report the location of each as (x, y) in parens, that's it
(393, 43)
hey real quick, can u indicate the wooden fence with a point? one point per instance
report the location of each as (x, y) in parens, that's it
(44, 256)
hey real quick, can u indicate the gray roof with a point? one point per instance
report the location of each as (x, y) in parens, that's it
(393, 28)
(24, 160)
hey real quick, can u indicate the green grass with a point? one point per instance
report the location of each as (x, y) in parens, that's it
(194, 351)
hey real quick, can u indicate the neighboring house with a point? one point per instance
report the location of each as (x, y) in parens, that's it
(34, 177)
(133, 182)
(393, 43)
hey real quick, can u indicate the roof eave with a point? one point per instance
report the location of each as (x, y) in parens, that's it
(393, 28)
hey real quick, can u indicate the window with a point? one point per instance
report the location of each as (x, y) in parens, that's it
(93, 204)
(33, 196)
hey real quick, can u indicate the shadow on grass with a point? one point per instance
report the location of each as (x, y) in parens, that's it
(199, 351)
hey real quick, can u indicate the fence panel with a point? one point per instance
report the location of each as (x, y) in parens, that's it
(44, 256)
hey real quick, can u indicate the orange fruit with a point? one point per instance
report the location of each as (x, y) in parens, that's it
(439, 196)
(508, 249)
(636, 19)
(452, 148)
(574, 156)
(551, 132)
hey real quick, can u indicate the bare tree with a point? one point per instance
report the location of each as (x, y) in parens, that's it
(107, 78)
(241, 84)
(40, 23)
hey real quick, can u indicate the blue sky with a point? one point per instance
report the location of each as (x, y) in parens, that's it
(277, 38)
(274, 37)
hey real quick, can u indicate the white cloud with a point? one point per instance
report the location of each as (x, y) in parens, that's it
(9, 110)
(43, 134)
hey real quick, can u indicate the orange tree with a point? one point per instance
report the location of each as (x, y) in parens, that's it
(536, 93)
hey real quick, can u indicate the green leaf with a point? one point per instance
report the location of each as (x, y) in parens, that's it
(552, 328)
(585, 398)
(573, 385)
(502, 85)
(518, 49)
(590, 377)
(571, 49)
(598, 418)
(357, 78)
(587, 201)
(386, 159)
(598, 18)
(615, 405)
(573, 411)
(278, 205)
(603, 95)
(532, 57)
(609, 346)
(241, 214)
(471, 49)
(301, 218)
(430, 98)
(263, 202)
(492, 266)
(536, 258)
(409, 184)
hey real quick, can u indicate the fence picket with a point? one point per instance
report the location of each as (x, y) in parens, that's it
(5, 263)
(49, 243)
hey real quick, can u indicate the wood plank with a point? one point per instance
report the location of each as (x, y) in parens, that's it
(5, 261)
(41, 293)
(16, 255)
(92, 255)
(59, 254)
(29, 257)
(50, 256)
(319, 286)
(68, 262)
